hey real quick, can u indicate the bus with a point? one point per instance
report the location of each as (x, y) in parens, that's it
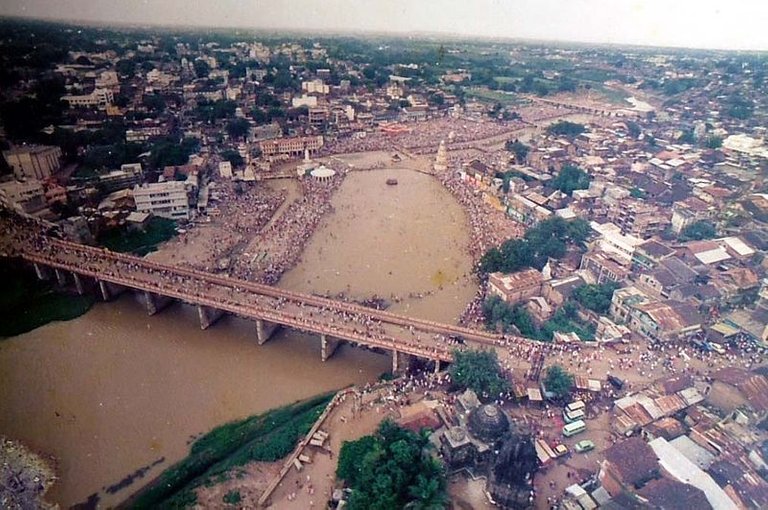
(572, 416)
(574, 428)
(576, 405)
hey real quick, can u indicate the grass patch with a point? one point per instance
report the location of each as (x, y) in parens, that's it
(495, 96)
(232, 497)
(266, 437)
(27, 303)
(158, 230)
(614, 96)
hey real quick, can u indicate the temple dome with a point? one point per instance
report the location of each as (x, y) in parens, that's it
(488, 422)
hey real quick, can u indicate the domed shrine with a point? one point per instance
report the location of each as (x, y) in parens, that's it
(489, 444)
(488, 423)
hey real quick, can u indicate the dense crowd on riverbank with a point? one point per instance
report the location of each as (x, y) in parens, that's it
(424, 136)
(278, 247)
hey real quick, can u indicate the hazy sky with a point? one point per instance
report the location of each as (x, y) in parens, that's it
(729, 24)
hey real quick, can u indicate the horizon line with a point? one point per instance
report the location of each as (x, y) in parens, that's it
(398, 34)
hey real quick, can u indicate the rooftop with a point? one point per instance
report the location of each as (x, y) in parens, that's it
(633, 459)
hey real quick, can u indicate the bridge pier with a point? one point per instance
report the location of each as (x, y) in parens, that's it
(110, 290)
(208, 315)
(80, 284)
(155, 302)
(328, 346)
(61, 277)
(264, 330)
(400, 362)
(42, 272)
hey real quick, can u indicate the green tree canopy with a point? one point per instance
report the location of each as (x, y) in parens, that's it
(519, 149)
(549, 239)
(390, 470)
(595, 297)
(201, 68)
(558, 381)
(697, 231)
(566, 128)
(238, 128)
(233, 157)
(478, 371)
(170, 152)
(571, 178)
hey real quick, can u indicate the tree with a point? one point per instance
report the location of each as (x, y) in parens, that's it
(126, 68)
(595, 297)
(713, 142)
(233, 157)
(566, 128)
(202, 69)
(549, 239)
(238, 128)
(154, 102)
(478, 371)
(390, 470)
(697, 231)
(558, 381)
(519, 149)
(571, 178)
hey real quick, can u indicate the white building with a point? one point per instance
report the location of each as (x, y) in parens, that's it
(304, 100)
(315, 86)
(107, 79)
(34, 161)
(165, 199)
(28, 195)
(613, 241)
(225, 169)
(99, 98)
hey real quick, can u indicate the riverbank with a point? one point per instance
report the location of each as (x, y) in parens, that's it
(224, 452)
(27, 303)
(140, 242)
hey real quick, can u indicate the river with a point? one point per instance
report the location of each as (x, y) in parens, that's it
(114, 390)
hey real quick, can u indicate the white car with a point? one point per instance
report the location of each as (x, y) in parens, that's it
(717, 347)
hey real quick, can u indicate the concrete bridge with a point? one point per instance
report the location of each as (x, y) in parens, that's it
(158, 285)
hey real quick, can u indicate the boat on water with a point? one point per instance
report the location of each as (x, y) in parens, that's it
(392, 182)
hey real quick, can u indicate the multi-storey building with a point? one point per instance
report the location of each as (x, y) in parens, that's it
(34, 161)
(291, 146)
(165, 199)
(638, 218)
(28, 195)
(100, 98)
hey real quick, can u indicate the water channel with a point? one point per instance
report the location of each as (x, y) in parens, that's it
(114, 390)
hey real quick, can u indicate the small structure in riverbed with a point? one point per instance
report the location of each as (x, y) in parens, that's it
(322, 173)
(441, 160)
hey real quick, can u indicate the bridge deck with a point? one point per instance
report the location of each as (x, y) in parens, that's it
(343, 320)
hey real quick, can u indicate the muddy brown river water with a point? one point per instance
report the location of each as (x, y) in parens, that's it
(114, 390)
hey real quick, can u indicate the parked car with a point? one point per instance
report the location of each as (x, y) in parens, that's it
(560, 450)
(616, 382)
(717, 347)
(584, 445)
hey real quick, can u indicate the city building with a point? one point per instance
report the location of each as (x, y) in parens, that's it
(99, 98)
(127, 177)
(605, 267)
(315, 87)
(291, 146)
(28, 195)
(515, 287)
(33, 161)
(164, 199)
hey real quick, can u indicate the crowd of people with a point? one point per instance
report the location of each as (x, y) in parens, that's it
(424, 137)
(237, 214)
(278, 247)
